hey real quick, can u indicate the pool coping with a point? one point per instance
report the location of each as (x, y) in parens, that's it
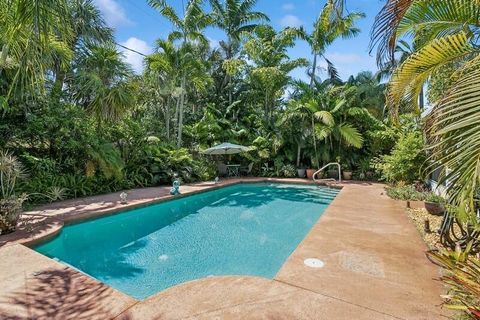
(306, 284)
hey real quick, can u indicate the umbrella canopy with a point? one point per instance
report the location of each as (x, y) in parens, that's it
(226, 148)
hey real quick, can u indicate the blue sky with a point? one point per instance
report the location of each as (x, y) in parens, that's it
(137, 26)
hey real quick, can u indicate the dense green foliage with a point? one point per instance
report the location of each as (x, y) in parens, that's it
(404, 192)
(82, 123)
(406, 162)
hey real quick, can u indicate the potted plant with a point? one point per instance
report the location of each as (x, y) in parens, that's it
(347, 172)
(434, 204)
(364, 169)
(301, 171)
(10, 205)
(310, 173)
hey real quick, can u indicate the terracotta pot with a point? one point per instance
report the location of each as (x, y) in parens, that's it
(434, 208)
(301, 173)
(347, 175)
(310, 173)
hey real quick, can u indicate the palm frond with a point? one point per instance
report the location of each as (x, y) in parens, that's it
(325, 117)
(454, 136)
(409, 78)
(350, 135)
(384, 30)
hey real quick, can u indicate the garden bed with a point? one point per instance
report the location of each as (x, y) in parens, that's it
(418, 217)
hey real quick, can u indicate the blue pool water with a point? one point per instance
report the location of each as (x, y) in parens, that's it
(246, 229)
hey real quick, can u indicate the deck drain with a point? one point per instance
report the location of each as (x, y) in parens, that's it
(314, 263)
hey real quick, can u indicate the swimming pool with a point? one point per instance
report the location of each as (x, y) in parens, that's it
(244, 229)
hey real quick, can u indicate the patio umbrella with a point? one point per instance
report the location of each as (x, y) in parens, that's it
(226, 148)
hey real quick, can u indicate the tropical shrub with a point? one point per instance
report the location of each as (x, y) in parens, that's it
(11, 171)
(405, 192)
(406, 161)
(288, 171)
(434, 198)
(461, 274)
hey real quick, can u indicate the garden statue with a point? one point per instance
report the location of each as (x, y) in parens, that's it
(175, 187)
(123, 198)
(216, 180)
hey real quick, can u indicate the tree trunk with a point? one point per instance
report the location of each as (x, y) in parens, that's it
(167, 118)
(315, 144)
(299, 150)
(314, 69)
(421, 100)
(180, 112)
(177, 107)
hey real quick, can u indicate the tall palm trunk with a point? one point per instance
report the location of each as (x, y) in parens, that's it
(180, 111)
(167, 118)
(315, 143)
(314, 69)
(421, 100)
(299, 150)
(228, 78)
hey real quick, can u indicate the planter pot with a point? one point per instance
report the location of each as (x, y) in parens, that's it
(301, 173)
(347, 175)
(10, 211)
(310, 173)
(434, 208)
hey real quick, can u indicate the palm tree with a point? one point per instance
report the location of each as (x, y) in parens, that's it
(167, 67)
(267, 49)
(370, 93)
(88, 27)
(330, 25)
(330, 110)
(444, 31)
(187, 29)
(296, 120)
(99, 83)
(236, 18)
(32, 37)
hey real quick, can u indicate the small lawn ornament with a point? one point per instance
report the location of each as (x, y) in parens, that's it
(123, 198)
(175, 187)
(216, 180)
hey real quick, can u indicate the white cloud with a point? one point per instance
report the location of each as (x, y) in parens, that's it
(288, 6)
(135, 59)
(290, 20)
(114, 14)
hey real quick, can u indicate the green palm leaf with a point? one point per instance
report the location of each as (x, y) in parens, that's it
(408, 79)
(430, 19)
(350, 135)
(454, 134)
(325, 117)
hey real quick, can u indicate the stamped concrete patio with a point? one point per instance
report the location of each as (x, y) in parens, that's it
(375, 268)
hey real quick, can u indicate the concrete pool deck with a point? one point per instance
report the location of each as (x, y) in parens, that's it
(375, 268)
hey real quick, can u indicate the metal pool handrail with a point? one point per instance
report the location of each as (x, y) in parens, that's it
(326, 166)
